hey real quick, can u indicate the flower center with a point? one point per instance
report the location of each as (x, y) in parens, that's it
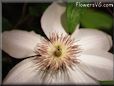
(58, 54)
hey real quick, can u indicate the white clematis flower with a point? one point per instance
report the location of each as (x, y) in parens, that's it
(80, 58)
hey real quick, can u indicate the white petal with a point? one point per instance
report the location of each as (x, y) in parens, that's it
(101, 68)
(27, 72)
(20, 44)
(98, 52)
(24, 72)
(51, 20)
(80, 78)
(93, 39)
(75, 76)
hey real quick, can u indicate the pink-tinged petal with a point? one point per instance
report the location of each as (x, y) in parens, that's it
(51, 19)
(20, 44)
(100, 67)
(93, 39)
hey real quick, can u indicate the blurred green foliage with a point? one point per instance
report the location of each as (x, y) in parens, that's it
(5, 24)
(34, 9)
(87, 18)
(96, 19)
(107, 83)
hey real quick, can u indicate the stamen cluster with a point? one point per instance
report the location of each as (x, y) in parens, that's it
(57, 54)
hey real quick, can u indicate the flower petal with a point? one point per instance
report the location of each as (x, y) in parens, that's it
(101, 68)
(98, 52)
(20, 44)
(93, 39)
(27, 72)
(75, 76)
(80, 78)
(24, 72)
(51, 19)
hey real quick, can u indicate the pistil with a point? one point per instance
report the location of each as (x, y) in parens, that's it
(58, 52)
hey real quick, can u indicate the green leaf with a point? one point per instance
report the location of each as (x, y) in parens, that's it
(5, 24)
(72, 17)
(96, 19)
(107, 82)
